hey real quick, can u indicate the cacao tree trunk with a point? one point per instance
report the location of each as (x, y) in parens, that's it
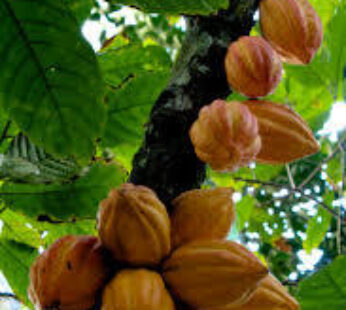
(166, 161)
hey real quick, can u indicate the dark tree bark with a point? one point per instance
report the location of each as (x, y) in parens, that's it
(166, 161)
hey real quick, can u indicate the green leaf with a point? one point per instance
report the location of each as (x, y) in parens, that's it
(75, 199)
(244, 210)
(80, 8)
(317, 229)
(326, 289)
(56, 231)
(15, 262)
(25, 162)
(50, 83)
(136, 77)
(18, 228)
(177, 6)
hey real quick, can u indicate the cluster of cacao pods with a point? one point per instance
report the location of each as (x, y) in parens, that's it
(231, 135)
(146, 259)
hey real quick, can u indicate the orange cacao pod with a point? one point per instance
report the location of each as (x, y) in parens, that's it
(270, 295)
(202, 214)
(134, 225)
(225, 135)
(253, 68)
(139, 289)
(69, 274)
(211, 273)
(292, 27)
(285, 135)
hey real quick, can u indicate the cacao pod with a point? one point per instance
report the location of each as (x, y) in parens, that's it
(285, 136)
(292, 27)
(69, 274)
(270, 295)
(202, 214)
(225, 135)
(212, 273)
(136, 290)
(134, 225)
(253, 68)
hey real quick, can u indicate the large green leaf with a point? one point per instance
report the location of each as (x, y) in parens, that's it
(15, 262)
(49, 78)
(177, 6)
(75, 199)
(80, 8)
(326, 289)
(135, 76)
(18, 228)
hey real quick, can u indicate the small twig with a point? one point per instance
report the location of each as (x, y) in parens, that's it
(5, 131)
(290, 176)
(8, 295)
(295, 190)
(319, 167)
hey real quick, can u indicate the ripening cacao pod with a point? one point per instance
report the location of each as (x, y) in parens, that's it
(134, 225)
(253, 68)
(225, 135)
(292, 27)
(69, 274)
(212, 273)
(270, 295)
(285, 136)
(139, 289)
(202, 214)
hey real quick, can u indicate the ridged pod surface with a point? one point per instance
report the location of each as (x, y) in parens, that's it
(285, 136)
(225, 135)
(213, 273)
(69, 274)
(270, 295)
(139, 289)
(253, 68)
(134, 225)
(202, 214)
(292, 27)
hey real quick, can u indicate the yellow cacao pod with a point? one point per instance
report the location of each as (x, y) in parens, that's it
(139, 289)
(69, 274)
(211, 273)
(292, 27)
(202, 214)
(270, 295)
(134, 225)
(225, 135)
(253, 68)
(285, 136)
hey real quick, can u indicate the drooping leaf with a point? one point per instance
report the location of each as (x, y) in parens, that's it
(74, 199)
(326, 289)
(244, 209)
(177, 6)
(49, 78)
(317, 229)
(25, 162)
(15, 261)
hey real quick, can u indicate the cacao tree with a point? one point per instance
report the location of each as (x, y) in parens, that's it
(172, 154)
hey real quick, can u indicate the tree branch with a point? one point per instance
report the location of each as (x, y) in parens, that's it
(291, 190)
(319, 167)
(8, 295)
(166, 161)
